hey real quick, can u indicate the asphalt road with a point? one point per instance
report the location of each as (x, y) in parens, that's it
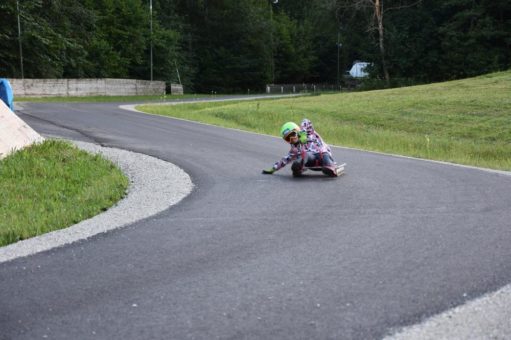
(246, 255)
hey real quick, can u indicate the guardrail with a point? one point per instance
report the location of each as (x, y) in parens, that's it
(300, 88)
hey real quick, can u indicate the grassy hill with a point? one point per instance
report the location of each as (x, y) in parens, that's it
(465, 121)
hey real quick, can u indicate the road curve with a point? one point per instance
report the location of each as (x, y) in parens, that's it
(250, 256)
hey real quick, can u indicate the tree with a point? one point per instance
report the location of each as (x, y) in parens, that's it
(9, 52)
(52, 34)
(174, 59)
(377, 11)
(121, 38)
(475, 37)
(231, 44)
(413, 43)
(294, 52)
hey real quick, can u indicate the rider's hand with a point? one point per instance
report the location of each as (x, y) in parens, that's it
(268, 171)
(302, 135)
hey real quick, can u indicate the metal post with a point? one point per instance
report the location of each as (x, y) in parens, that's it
(151, 25)
(271, 36)
(19, 39)
(338, 52)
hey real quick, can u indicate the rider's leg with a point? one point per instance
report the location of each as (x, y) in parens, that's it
(308, 160)
(297, 167)
(328, 165)
(327, 160)
(312, 160)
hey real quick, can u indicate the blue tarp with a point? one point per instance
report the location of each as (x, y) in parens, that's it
(6, 93)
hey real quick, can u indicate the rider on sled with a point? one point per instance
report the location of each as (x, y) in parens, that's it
(308, 150)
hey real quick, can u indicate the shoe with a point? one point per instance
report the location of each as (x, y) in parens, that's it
(329, 171)
(297, 169)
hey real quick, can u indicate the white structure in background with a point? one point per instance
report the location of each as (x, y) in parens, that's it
(15, 134)
(358, 69)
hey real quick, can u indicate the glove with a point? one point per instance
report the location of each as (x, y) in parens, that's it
(268, 171)
(302, 136)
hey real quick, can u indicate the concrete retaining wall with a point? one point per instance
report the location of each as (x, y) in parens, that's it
(15, 134)
(176, 89)
(85, 87)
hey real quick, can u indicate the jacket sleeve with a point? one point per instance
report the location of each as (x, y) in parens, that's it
(286, 159)
(306, 125)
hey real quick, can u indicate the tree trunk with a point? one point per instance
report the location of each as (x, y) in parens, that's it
(378, 11)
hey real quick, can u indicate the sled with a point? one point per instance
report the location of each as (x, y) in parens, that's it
(331, 171)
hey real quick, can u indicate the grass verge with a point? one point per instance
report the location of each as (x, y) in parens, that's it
(53, 185)
(466, 121)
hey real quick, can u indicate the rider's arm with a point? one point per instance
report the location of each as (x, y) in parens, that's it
(306, 125)
(292, 155)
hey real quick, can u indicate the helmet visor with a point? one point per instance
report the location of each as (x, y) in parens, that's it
(289, 135)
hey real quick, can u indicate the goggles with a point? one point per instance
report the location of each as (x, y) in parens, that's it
(290, 135)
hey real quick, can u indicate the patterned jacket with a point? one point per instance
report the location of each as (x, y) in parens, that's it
(314, 144)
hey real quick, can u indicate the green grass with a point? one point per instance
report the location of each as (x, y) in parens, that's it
(465, 121)
(106, 99)
(53, 185)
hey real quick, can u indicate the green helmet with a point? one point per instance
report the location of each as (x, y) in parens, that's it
(287, 128)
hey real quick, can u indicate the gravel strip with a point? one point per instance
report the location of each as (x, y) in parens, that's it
(488, 317)
(155, 185)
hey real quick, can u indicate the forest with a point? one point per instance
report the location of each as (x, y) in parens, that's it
(242, 45)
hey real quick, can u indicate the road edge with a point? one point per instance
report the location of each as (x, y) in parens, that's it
(486, 317)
